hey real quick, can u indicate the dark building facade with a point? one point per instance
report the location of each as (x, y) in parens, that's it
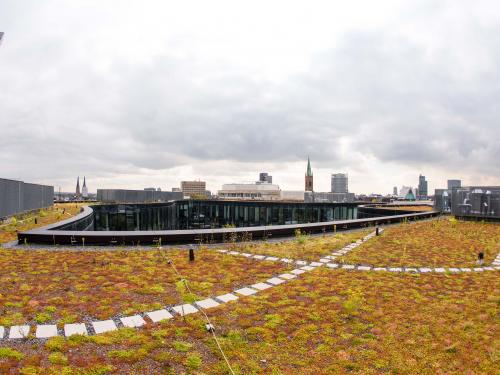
(206, 214)
(476, 202)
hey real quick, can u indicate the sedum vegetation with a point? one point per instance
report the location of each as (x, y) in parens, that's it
(437, 243)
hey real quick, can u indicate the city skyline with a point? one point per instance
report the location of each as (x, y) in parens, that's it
(136, 96)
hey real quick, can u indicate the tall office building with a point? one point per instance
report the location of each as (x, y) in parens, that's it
(454, 184)
(190, 188)
(395, 190)
(422, 188)
(309, 177)
(340, 183)
(265, 177)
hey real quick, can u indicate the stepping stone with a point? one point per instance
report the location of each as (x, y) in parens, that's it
(478, 269)
(275, 281)
(273, 259)
(261, 286)
(2, 332)
(159, 315)
(185, 309)
(332, 265)
(454, 270)
(301, 262)
(307, 268)
(327, 257)
(411, 270)
(348, 267)
(246, 291)
(395, 269)
(75, 329)
(425, 269)
(133, 321)
(102, 326)
(248, 255)
(286, 260)
(488, 268)
(234, 253)
(324, 260)
(337, 254)
(287, 276)
(19, 332)
(297, 271)
(364, 268)
(465, 269)
(439, 269)
(380, 269)
(260, 257)
(316, 264)
(45, 331)
(207, 303)
(227, 297)
(222, 251)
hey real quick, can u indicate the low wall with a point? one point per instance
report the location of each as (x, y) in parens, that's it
(17, 197)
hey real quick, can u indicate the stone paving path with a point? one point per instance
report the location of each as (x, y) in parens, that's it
(46, 331)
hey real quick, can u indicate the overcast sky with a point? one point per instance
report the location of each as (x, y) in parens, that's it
(135, 94)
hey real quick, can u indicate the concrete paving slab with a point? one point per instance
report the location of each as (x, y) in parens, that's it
(410, 269)
(454, 270)
(348, 267)
(324, 260)
(207, 303)
(44, 331)
(159, 315)
(260, 257)
(287, 276)
(133, 321)
(222, 251)
(234, 253)
(332, 265)
(275, 281)
(247, 255)
(185, 309)
(246, 291)
(286, 260)
(261, 286)
(364, 268)
(439, 269)
(75, 329)
(102, 326)
(425, 269)
(488, 268)
(273, 259)
(297, 271)
(19, 332)
(465, 270)
(227, 297)
(395, 269)
(2, 332)
(301, 262)
(380, 269)
(307, 268)
(478, 269)
(316, 264)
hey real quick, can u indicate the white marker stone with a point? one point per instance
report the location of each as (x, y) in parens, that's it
(2, 332)
(348, 267)
(159, 315)
(275, 281)
(465, 269)
(227, 297)
(234, 253)
(297, 271)
(102, 326)
(488, 268)
(301, 262)
(440, 269)
(19, 332)
(316, 264)
(45, 331)
(454, 270)
(273, 259)
(207, 303)
(260, 257)
(380, 269)
(364, 268)
(395, 269)
(222, 251)
(286, 260)
(133, 321)
(246, 291)
(478, 269)
(287, 276)
(307, 268)
(425, 269)
(185, 309)
(410, 269)
(332, 265)
(261, 286)
(75, 329)
(324, 260)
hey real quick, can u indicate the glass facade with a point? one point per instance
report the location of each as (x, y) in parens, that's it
(206, 214)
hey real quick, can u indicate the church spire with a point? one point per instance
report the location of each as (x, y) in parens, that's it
(84, 184)
(78, 186)
(309, 177)
(309, 170)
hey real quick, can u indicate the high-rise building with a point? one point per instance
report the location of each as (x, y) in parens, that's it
(422, 188)
(78, 187)
(395, 190)
(194, 188)
(339, 183)
(265, 177)
(454, 184)
(309, 177)
(85, 191)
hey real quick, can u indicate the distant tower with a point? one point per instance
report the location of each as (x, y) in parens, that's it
(309, 177)
(85, 192)
(395, 190)
(78, 187)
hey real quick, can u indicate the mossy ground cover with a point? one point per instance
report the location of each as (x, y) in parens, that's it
(303, 246)
(66, 287)
(326, 322)
(58, 212)
(437, 243)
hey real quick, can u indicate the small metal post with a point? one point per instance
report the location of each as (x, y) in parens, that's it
(36, 221)
(480, 258)
(376, 231)
(191, 254)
